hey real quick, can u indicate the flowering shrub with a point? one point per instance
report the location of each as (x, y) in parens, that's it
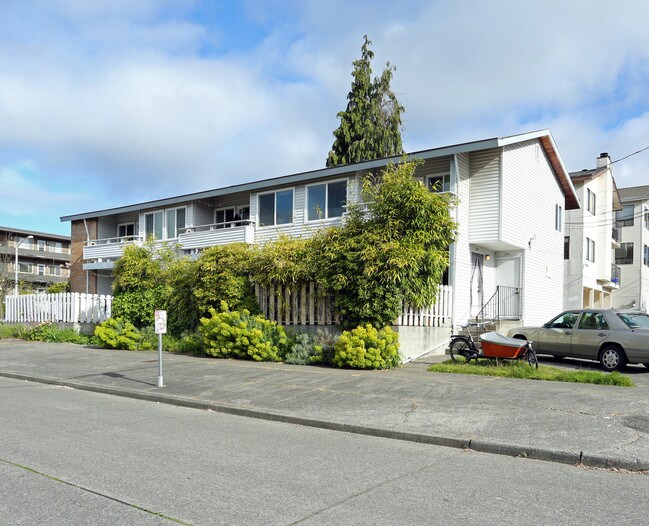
(238, 334)
(116, 333)
(366, 347)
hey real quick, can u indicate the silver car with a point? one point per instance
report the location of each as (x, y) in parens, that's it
(614, 337)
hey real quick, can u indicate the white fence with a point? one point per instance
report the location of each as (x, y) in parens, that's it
(63, 307)
(438, 315)
(304, 305)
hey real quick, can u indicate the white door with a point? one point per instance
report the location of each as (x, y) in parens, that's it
(508, 283)
(477, 286)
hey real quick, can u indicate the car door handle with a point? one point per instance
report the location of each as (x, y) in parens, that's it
(567, 333)
(601, 334)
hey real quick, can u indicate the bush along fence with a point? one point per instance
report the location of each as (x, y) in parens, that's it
(304, 304)
(67, 307)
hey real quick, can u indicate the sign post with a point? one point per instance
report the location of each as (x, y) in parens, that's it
(160, 329)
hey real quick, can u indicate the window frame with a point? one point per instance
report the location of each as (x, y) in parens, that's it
(591, 201)
(590, 250)
(566, 247)
(126, 235)
(626, 260)
(326, 215)
(646, 255)
(274, 194)
(625, 222)
(28, 264)
(446, 181)
(163, 229)
(558, 217)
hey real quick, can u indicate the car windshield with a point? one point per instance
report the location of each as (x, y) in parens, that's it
(635, 320)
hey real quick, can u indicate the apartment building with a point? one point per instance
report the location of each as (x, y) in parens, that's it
(42, 259)
(633, 254)
(506, 261)
(591, 237)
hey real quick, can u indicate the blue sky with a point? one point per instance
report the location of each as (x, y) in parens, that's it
(111, 102)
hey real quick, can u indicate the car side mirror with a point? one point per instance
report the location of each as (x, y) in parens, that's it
(546, 325)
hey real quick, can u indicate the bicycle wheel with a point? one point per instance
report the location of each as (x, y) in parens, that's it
(530, 356)
(461, 349)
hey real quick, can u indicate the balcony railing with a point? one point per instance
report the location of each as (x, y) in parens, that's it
(203, 236)
(109, 248)
(615, 275)
(504, 304)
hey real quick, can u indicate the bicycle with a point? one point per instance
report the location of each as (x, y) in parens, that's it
(463, 349)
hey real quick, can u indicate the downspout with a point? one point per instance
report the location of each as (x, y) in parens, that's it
(455, 188)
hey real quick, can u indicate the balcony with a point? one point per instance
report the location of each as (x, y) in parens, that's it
(615, 276)
(205, 236)
(102, 253)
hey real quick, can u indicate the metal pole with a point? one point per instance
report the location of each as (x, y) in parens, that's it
(160, 381)
(16, 269)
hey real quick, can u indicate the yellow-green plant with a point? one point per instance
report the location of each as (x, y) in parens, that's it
(238, 334)
(366, 347)
(116, 333)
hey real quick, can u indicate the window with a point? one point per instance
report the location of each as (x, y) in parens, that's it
(646, 255)
(55, 246)
(127, 230)
(439, 183)
(25, 268)
(558, 217)
(25, 243)
(564, 321)
(590, 250)
(593, 321)
(625, 216)
(624, 254)
(175, 222)
(164, 224)
(41, 270)
(223, 217)
(646, 219)
(153, 225)
(566, 247)
(244, 213)
(276, 208)
(591, 199)
(326, 200)
(41, 245)
(54, 270)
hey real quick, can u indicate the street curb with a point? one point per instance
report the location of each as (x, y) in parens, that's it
(546, 455)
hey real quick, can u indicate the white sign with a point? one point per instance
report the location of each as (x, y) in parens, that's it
(161, 322)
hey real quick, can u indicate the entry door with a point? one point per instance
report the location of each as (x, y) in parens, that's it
(508, 279)
(477, 287)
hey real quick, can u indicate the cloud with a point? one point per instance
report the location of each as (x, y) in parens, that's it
(146, 99)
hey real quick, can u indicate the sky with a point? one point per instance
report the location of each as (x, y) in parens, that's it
(106, 103)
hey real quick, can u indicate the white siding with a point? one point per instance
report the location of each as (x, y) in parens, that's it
(530, 194)
(484, 219)
(634, 278)
(203, 215)
(461, 253)
(107, 227)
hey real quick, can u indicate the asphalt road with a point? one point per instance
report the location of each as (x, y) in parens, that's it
(77, 457)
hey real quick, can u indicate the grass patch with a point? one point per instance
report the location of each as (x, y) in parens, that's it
(510, 369)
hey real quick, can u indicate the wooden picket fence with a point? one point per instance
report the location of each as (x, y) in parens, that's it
(70, 307)
(304, 304)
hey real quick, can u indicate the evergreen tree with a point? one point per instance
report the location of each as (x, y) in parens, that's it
(370, 127)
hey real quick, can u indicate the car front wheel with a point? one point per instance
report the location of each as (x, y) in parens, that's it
(612, 358)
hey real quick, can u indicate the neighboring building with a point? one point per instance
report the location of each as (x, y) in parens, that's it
(633, 254)
(507, 261)
(591, 237)
(43, 259)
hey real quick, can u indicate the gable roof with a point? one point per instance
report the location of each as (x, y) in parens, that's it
(635, 193)
(585, 174)
(544, 136)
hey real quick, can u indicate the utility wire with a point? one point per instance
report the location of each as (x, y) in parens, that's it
(630, 155)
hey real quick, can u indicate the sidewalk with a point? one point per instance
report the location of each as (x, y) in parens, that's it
(597, 426)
